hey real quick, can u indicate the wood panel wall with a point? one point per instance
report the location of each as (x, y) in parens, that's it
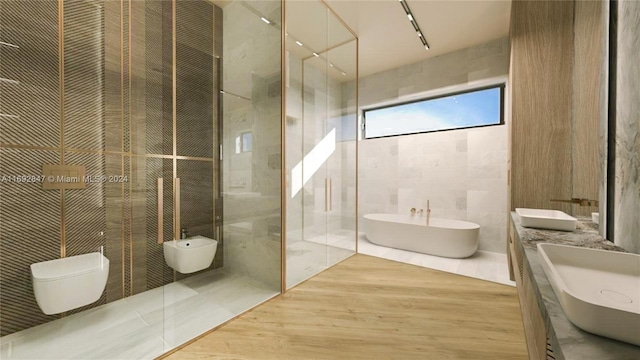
(542, 52)
(586, 102)
(105, 102)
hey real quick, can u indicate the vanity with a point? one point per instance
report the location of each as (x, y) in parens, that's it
(548, 331)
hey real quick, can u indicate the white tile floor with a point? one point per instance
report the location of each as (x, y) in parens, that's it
(483, 265)
(307, 258)
(142, 326)
(146, 325)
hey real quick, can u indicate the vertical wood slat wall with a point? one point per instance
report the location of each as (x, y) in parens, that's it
(102, 103)
(555, 103)
(586, 102)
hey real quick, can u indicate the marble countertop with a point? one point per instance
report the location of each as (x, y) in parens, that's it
(568, 341)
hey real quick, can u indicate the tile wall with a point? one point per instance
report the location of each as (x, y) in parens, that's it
(462, 172)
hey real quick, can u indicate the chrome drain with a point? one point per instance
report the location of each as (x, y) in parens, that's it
(616, 296)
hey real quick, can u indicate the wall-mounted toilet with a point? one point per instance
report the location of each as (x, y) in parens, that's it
(69, 283)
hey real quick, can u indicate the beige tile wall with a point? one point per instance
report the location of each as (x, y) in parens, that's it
(462, 172)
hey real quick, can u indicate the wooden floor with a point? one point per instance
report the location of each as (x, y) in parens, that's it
(372, 308)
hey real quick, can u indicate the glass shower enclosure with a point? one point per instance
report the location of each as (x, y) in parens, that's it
(133, 137)
(321, 142)
(166, 165)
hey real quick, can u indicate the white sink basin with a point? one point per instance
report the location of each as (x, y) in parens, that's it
(599, 290)
(546, 219)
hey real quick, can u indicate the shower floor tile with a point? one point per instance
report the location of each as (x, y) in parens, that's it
(483, 265)
(142, 326)
(307, 258)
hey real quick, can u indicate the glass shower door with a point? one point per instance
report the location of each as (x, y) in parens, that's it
(307, 144)
(341, 118)
(321, 143)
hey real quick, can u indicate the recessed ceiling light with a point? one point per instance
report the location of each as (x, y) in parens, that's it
(315, 54)
(344, 73)
(265, 20)
(299, 43)
(330, 64)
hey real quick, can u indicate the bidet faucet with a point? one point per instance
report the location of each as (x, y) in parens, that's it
(184, 233)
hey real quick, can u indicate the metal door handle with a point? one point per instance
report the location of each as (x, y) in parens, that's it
(330, 194)
(326, 194)
(160, 210)
(176, 197)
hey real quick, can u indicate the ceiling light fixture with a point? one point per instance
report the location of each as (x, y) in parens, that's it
(414, 23)
(315, 54)
(265, 20)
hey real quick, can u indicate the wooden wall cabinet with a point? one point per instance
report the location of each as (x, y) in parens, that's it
(555, 104)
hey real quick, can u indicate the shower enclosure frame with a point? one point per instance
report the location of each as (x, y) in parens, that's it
(284, 75)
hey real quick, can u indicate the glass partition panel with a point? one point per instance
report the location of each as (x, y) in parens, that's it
(251, 100)
(319, 143)
(306, 37)
(342, 118)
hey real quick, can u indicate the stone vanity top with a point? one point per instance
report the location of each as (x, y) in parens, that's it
(568, 341)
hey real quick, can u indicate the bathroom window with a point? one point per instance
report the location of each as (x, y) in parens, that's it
(244, 142)
(460, 110)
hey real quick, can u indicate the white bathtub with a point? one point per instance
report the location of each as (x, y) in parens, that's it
(443, 237)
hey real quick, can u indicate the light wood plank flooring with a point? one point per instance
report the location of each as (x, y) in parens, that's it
(372, 308)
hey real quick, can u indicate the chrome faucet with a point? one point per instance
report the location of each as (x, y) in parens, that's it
(581, 202)
(184, 233)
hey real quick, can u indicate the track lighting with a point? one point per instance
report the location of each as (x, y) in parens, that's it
(414, 23)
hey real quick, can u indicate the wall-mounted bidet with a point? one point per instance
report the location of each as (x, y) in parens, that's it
(190, 255)
(69, 283)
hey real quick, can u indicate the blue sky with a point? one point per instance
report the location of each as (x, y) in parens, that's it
(470, 109)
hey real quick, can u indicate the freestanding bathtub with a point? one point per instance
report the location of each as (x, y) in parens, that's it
(443, 237)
